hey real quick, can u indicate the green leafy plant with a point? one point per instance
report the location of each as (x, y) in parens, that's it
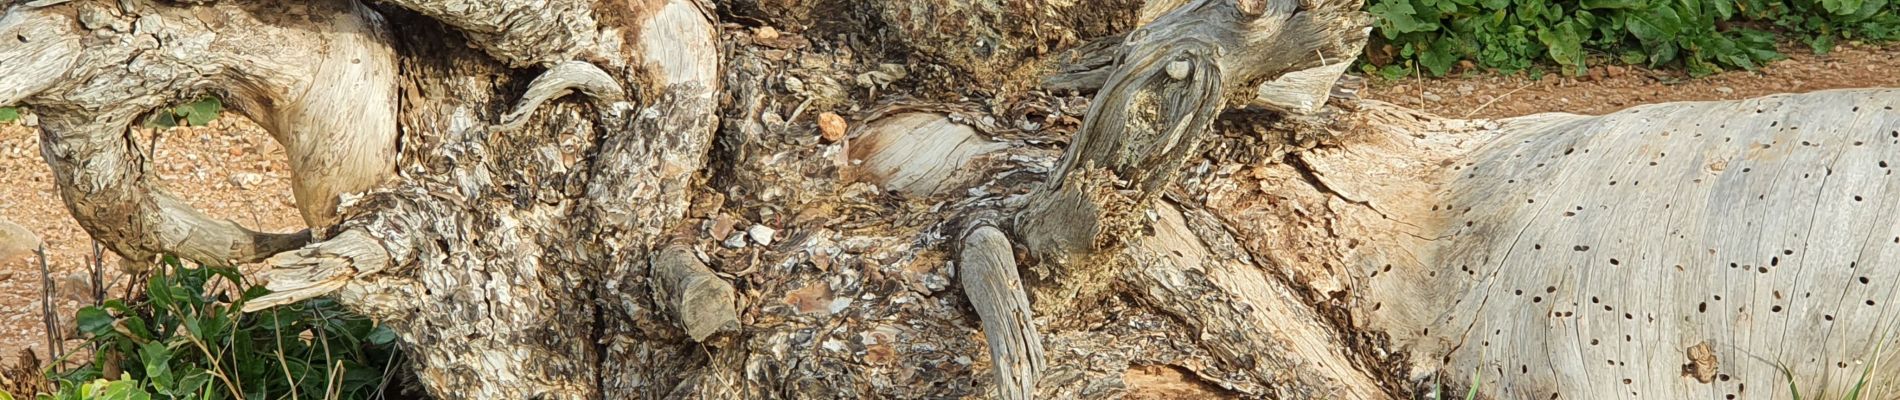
(124, 388)
(186, 339)
(9, 114)
(1702, 36)
(196, 113)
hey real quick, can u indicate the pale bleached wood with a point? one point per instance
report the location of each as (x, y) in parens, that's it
(1585, 256)
(559, 80)
(918, 153)
(988, 269)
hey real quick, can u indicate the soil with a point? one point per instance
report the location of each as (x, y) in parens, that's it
(233, 170)
(1607, 89)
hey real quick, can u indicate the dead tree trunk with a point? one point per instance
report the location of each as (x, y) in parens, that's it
(679, 226)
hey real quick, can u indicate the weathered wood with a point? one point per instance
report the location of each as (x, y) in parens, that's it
(918, 153)
(1255, 324)
(691, 294)
(1596, 251)
(988, 268)
(561, 79)
(1149, 117)
(1341, 254)
(322, 84)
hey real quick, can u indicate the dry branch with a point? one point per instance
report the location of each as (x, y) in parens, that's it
(988, 268)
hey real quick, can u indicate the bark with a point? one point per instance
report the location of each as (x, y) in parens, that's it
(677, 227)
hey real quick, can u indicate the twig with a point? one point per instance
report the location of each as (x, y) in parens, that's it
(217, 369)
(389, 365)
(55, 343)
(799, 111)
(277, 333)
(335, 382)
(1494, 100)
(98, 267)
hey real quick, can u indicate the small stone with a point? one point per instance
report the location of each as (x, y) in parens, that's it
(16, 242)
(761, 234)
(766, 33)
(1466, 89)
(6, 276)
(736, 241)
(1616, 71)
(246, 180)
(1432, 97)
(831, 126)
(1725, 90)
(722, 226)
(1596, 73)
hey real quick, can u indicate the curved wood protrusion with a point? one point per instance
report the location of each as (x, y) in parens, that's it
(323, 85)
(988, 270)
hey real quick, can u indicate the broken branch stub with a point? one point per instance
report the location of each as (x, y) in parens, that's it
(988, 270)
(698, 301)
(1139, 130)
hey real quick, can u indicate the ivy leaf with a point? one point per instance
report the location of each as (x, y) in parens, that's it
(1438, 58)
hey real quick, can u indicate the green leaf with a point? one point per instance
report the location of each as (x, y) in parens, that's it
(1613, 4)
(1397, 17)
(9, 114)
(1566, 47)
(194, 381)
(381, 336)
(1724, 9)
(94, 321)
(1438, 58)
(1394, 72)
(201, 112)
(162, 120)
(157, 360)
(1821, 44)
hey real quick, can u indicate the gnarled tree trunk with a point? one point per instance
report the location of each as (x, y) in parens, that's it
(635, 200)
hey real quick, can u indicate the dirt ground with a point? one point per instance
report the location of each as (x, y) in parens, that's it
(231, 170)
(1608, 89)
(234, 170)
